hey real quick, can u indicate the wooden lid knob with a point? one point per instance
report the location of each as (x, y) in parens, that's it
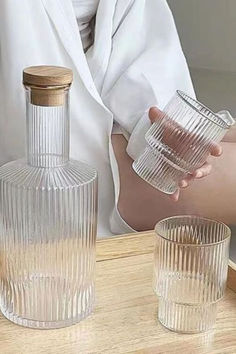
(48, 84)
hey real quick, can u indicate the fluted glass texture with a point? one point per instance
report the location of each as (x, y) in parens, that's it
(48, 222)
(190, 271)
(179, 142)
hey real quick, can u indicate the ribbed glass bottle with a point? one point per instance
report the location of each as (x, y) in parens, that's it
(48, 215)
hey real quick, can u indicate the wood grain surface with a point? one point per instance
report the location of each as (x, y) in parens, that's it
(232, 276)
(125, 318)
(47, 84)
(46, 75)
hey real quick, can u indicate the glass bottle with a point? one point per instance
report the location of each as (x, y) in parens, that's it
(48, 214)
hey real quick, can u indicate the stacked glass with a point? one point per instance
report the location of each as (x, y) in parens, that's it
(179, 142)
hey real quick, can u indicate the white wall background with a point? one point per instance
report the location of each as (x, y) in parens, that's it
(208, 32)
(207, 29)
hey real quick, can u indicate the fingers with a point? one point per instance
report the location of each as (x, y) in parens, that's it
(216, 150)
(179, 140)
(175, 196)
(172, 134)
(184, 183)
(203, 171)
(155, 114)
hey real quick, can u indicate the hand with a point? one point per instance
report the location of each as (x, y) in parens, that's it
(155, 114)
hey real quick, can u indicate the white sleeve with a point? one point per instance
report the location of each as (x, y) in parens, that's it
(146, 67)
(12, 101)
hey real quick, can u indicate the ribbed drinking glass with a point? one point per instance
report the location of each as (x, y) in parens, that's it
(179, 142)
(48, 215)
(190, 271)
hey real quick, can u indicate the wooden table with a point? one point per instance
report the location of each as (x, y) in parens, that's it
(125, 319)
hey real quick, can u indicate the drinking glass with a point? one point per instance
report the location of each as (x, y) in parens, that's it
(190, 271)
(179, 142)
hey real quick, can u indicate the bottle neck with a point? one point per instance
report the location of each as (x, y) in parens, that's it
(48, 139)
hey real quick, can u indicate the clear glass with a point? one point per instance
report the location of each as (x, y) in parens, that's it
(190, 271)
(48, 222)
(179, 142)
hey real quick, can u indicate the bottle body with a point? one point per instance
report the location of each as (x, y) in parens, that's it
(48, 224)
(48, 234)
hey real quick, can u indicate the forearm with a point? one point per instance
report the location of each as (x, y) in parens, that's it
(230, 136)
(142, 206)
(215, 196)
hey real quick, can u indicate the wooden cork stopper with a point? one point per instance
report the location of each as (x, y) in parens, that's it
(47, 97)
(48, 84)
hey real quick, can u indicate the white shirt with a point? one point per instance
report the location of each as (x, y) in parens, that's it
(135, 61)
(85, 11)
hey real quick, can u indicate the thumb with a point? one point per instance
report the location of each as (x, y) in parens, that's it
(155, 114)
